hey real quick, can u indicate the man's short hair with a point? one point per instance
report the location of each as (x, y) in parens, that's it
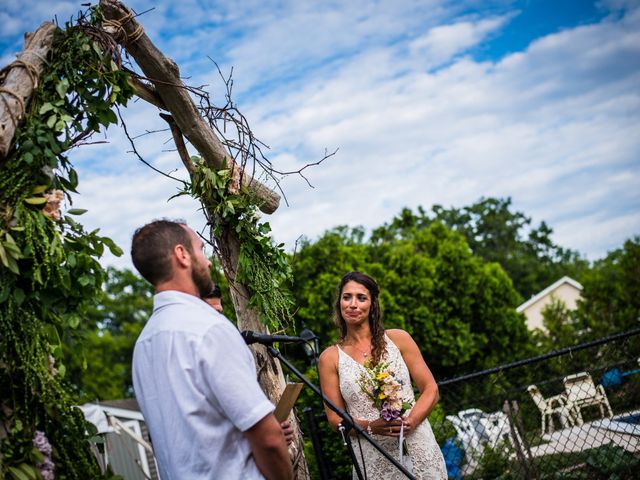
(152, 246)
(214, 293)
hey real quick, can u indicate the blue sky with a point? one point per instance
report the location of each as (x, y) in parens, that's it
(428, 102)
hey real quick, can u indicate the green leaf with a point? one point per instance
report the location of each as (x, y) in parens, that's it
(12, 247)
(35, 200)
(36, 455)
(39, 189)
(47, 107)
(96, 48)
(3, 256)
(110, 117)
(62, 86)
(113, 248)
(54, 245)
(73, 321)
(19, 296)
(29, 471)
(13, 266)
(17, 474)
(77, 211)
(51, 121)
(37, 276)
(4, 294)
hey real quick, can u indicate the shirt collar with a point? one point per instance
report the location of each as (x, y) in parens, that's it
(168, 297)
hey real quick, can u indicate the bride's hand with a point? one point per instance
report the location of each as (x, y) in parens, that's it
(382, 427)
(409, 423)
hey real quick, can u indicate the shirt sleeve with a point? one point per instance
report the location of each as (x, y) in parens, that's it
(228, 370)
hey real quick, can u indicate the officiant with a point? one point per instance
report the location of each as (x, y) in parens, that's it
(193, 375)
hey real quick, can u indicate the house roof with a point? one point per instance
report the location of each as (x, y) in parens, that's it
(126, 404)
(547, 291)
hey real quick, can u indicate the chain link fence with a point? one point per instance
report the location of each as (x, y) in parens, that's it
(569, 414)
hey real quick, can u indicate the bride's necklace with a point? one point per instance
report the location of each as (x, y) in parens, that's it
(364, 354)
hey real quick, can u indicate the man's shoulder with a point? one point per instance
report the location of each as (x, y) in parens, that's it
(181, 315)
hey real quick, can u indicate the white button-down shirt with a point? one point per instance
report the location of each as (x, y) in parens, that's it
(195, 381)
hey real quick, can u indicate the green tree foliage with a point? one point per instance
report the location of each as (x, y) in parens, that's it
(610, 302)
(98, 356)
(611, 294)
(562, 328)
(497, 234)
(458, 308)
(317, 270)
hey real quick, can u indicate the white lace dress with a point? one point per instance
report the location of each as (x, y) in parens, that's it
(424, 459)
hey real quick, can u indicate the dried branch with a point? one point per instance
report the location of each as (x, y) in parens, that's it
(179, 141)
(135, 151)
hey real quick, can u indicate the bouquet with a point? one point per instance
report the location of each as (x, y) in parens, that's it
(380, 384)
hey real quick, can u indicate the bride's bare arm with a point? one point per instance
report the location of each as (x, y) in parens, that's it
(420, 375)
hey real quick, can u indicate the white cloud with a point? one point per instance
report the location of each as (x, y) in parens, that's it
(545, 126)
(440, 44)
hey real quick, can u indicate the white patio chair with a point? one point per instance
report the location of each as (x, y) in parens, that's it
(549, 406)
(582, 392)
(468, 437)
(497, 429)
(477, 429)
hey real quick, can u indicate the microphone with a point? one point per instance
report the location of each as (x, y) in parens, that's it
(264, 339)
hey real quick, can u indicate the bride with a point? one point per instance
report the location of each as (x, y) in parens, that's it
(365, 343)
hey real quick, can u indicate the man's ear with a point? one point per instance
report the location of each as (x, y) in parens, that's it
(182, 256)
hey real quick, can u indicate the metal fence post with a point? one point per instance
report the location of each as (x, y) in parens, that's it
(314, 434)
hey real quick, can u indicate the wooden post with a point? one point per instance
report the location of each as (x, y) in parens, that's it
(18, 81)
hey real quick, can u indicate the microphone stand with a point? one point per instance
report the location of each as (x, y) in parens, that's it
(347, 422)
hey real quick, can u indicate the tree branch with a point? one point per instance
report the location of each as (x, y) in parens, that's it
(165, 75)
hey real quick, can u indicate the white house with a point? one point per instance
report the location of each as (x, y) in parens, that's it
(567, 290)
(127, 447)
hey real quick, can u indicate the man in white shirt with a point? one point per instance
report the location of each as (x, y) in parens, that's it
(193, 375)
(214, 300)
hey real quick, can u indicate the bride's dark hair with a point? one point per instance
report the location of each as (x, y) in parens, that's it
(378, 347)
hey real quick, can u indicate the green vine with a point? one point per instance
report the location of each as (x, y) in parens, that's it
(262, 266)
(48, 262)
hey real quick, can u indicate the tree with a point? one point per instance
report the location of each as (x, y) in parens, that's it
(611, 293)
(458, 307)
(98, 357)
(317, 270)
(562, 325)
(497, 234)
